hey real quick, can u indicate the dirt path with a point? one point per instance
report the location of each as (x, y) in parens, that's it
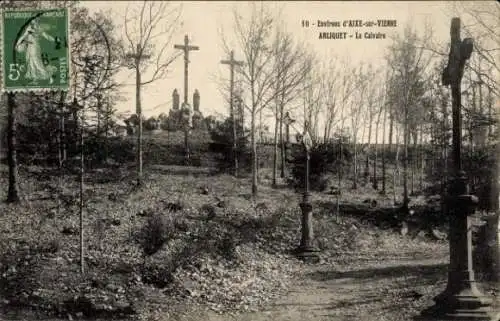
(384, 290)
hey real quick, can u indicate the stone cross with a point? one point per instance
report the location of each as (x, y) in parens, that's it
(186, 48)
(461, 300)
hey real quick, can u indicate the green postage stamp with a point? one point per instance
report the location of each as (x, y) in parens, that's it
(35, 50)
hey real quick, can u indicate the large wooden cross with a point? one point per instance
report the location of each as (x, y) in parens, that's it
(232, 62)
(186, 48)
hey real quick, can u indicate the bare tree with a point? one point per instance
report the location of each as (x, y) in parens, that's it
(408, 62)
(480, 20)
(148, 50)
(372, 110)
(347, 90)
(291, 64)
(331, 76)
(254, 39)
(356, 114)
(312, 99)
(379, 112)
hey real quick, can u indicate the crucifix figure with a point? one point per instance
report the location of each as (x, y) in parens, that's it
(461, 300)
(232, 62)
(186, 48)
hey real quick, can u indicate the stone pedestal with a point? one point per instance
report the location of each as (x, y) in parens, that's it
(461, 300)
(306, 250)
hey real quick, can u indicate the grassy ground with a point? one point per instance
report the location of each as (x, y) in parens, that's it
(223, 255)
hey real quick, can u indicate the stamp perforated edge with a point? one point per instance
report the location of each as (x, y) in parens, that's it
(2, 65)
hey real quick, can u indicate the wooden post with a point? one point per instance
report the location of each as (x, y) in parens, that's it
(461, 300)
(232, 62)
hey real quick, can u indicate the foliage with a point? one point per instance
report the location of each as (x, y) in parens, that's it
(155, 233)
(325, 158)
(221, 133)
(480, 167)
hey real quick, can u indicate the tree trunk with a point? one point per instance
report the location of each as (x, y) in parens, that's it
(383, 151)
(355, 159)
(139, 117)
(106, 133)
(99, 112)
(389, 148)
(62, 134)
(275, 150)
(490, 113)
(422, 160)
(254, 155)
(406, 200)
(396, 169)
(367, 164)
(82, 203)
(340, 169)
(13, 190)
(282, 141)
(413, 163)
(375, 156)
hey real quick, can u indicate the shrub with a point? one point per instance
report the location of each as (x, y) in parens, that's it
(324, 158)
(157, 231)
(222, 136)
(481, 168)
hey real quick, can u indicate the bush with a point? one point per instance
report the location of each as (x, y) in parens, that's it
(480, 167)
(324, 158)
(222, 137)
(157, 231)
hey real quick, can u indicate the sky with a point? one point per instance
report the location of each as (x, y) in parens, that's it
(202, 22)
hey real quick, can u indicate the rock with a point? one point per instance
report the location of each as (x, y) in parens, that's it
(372, 202)
(181, 225)
(404, 228)
(173, 207)
(51, 247)
(51, 214)
(261, 206)
(438, 234)
(421, 234)
(208, 210)
(334, 190)
(145, 213)
(69, 230)
(112, 287)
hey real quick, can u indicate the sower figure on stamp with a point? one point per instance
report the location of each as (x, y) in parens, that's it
(37, 68)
